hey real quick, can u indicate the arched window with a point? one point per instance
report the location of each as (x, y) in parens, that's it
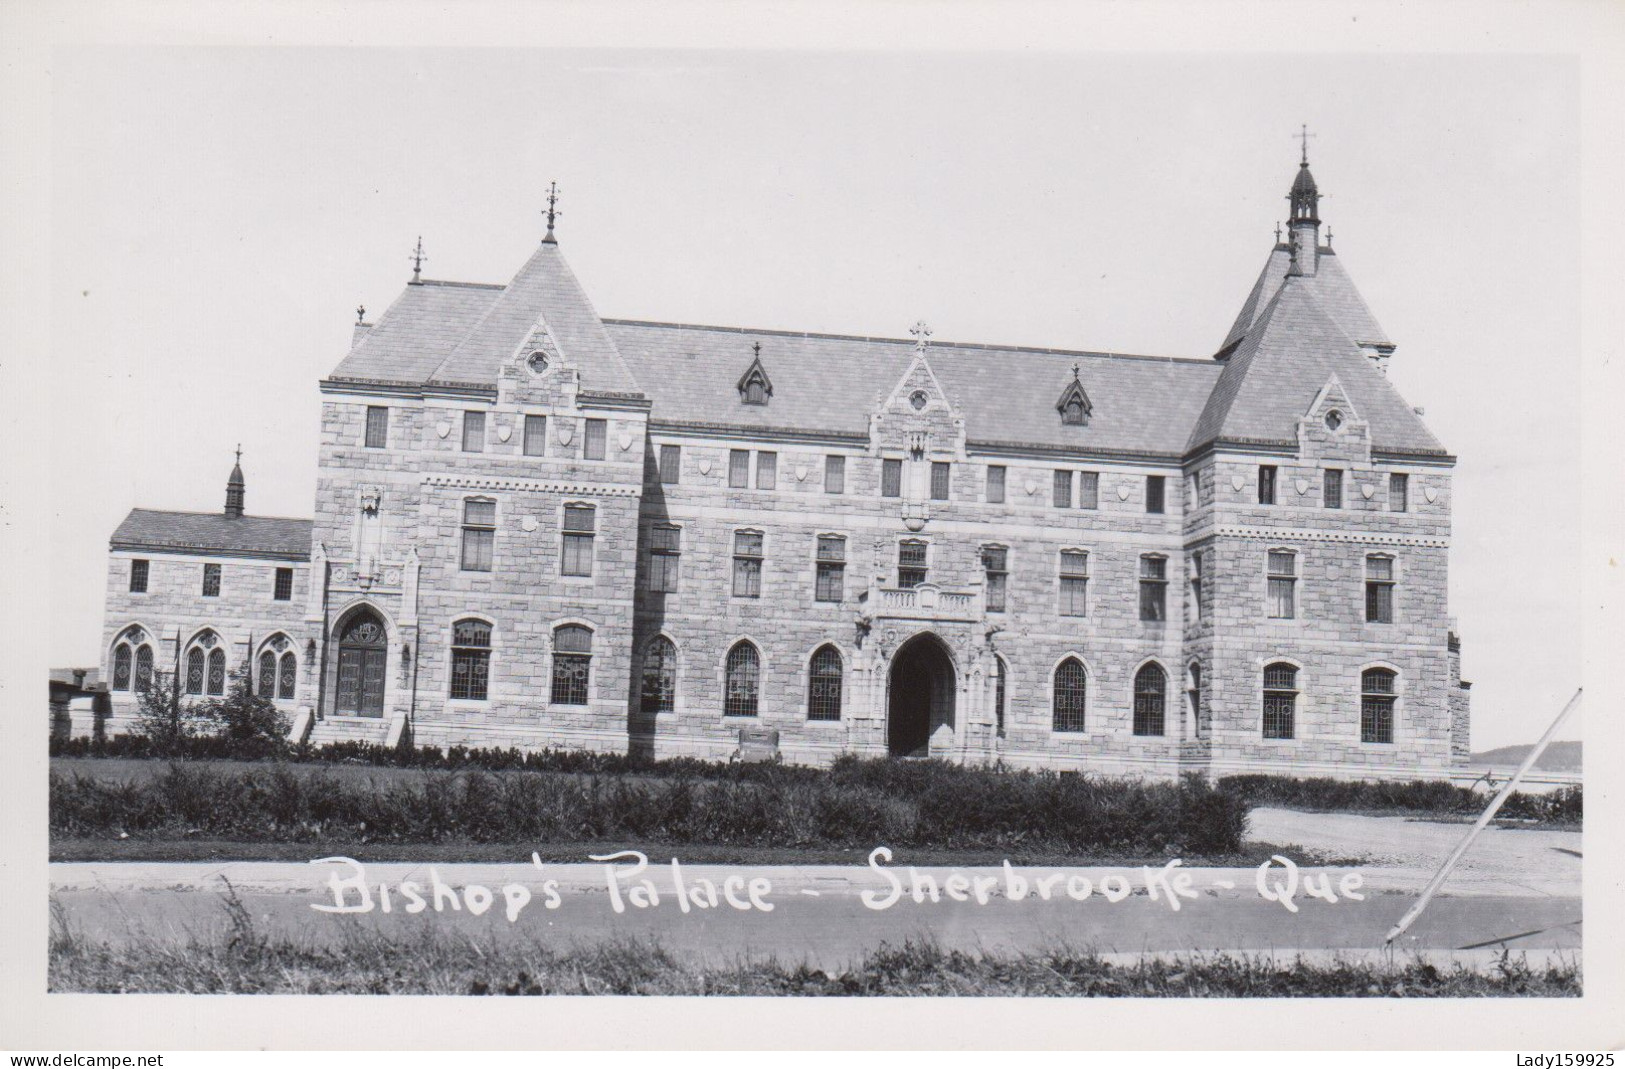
(572, 664)
(143, 667)
(824, 685)
(217, 672)
(122, 658)
(470, 660)
(743, 681)
(288, 676)
(1377, 692)
(1071, 683)
(1280, 701)
(998, 694)
(1150, 700)
(196, 669)
(660, 676)
(267, 674)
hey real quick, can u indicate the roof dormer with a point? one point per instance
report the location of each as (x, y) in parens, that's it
(1074, 405)
(754, 386)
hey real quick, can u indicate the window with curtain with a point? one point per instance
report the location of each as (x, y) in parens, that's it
(671, 464)
(939, 480)
(742, 680)
(572, 664)
(1071, 684)
(767, 470)
(1266, 484)
(594, 441)
(535, 435)
(747, 564)
(1088, 489)
(1061, 490)
(739, 468)
(377, 426)
(470, 660)
(1331, 493)
(1074, 582)
(995, 484)
(824, 685)
(1283, 584)
(580, 527)
(1399, 491)
(479, 535)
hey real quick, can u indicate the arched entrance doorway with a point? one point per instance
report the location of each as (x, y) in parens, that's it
(363, 656)
(920, 696)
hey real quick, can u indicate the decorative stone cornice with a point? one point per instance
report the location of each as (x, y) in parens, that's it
(1287, 534)
(477, 482)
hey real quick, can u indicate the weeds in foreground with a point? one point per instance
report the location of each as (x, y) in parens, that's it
(235, 958)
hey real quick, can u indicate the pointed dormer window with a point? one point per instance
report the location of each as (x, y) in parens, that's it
(1074, 405)
(754, 386)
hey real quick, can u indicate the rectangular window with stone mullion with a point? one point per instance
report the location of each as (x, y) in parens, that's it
(1074, 582)
(996, 569)
(665, 554)
(831, 564)
(1379, 590)
(834, 474)
(1061, 490)
(1399, 486)
(747, 564)
(377, 426)
(1283, 583)
(911, 564)
(211, 580)
(138, 576)
(535, 435)
(282, 585)
(580, 530)
(1153, 588)
(1280, 701)
(594, 444)
(738, 468)
(473, 432)
(1331, 495)
(479, 535)
(767, 470)
(1088, 489)
(891, 477)
(939, 480)
(671, 464)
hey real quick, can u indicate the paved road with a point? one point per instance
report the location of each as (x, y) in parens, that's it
(1521, 882)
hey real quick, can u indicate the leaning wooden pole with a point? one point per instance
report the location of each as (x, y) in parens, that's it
(1484, 818)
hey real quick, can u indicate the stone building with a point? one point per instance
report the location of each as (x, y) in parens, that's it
(537, 527)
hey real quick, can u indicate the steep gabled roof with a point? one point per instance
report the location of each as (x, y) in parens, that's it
(545, 291)
(1280, 365)
(417, 333)
(829, 383)
(1330, 283)
(213, 532)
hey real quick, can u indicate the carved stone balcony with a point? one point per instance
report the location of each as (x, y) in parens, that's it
(924, 602)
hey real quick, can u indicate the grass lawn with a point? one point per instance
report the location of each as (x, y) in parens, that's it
(236, 959)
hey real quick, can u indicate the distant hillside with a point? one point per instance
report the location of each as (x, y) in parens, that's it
(1559, 757)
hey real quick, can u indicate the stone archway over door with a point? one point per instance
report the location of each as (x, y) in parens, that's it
(363, 660)
(919, 696)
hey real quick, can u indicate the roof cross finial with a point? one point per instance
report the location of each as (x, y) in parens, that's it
(552, 210)
(1304, 135)
(922, 335)
(417, 259)
(239, 452)
(360, 313)
(1328, 237)
(1076, 371)
(756, 350)
(1277, 233)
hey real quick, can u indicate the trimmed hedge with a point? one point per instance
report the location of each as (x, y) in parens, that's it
(856, 803)
(1437, 797)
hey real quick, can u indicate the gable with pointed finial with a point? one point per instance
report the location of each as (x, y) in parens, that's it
(1074, 404)
(754, 386)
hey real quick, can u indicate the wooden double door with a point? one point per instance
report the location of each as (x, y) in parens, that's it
(363, 663)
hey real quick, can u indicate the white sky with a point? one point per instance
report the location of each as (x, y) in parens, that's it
(217, 214)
